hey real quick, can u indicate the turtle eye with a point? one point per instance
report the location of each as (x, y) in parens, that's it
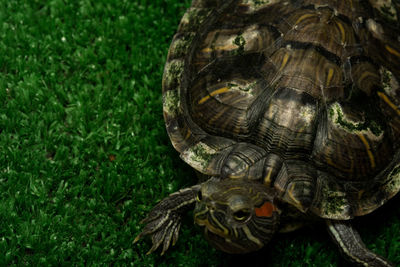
(199, 196)
(241, 215)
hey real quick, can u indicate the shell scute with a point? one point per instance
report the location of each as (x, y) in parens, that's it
(350, 145)
(193, 19)
(331, 201)
(180, 45)
(173, 74)
(207, 155)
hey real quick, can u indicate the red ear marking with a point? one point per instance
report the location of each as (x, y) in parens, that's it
(265, 210)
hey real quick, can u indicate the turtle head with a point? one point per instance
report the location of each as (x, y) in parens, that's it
(238, 216)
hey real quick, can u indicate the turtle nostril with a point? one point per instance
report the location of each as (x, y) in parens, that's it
(211, 205)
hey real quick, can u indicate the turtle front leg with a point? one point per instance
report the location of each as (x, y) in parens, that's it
(351, 245)
(164, 220)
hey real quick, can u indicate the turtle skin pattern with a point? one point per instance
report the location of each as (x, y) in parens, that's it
(301, 98)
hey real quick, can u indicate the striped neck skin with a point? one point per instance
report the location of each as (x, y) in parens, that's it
(238, 216)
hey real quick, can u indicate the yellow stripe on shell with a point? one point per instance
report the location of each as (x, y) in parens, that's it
(213, 93)
(392, 51)
(330, 76)
(297, 203)
(188, 134)
(284, 61)
(366, 74)
(267, 178)
(219, 48)
(331, 163)
(390, 103)
(342, 31)
(368, 148)
(303, 17)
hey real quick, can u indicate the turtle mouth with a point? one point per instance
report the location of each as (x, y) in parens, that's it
(209, 228)
(211, 224)
(219, 239)
(223, 243)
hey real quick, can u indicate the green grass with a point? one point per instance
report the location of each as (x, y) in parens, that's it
(84, 152)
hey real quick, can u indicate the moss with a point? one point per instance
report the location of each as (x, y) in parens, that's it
(331, 112)
(260, 2)
(334, 204)
(173, 73)
(201, 154)
(333, 200)
(375, 128)
(240, 42)
(181, 46)
(386, 78)
(193, 18)
(232, 85)
(249, 88)
(171, 102)
(389, 82)
(368, 124)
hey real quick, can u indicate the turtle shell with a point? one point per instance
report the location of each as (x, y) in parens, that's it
(302, 96)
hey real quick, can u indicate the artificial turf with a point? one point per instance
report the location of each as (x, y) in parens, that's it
(84, 152)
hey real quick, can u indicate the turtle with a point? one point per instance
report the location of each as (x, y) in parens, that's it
(289, 113)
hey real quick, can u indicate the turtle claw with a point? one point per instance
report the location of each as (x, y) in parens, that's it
(164, 220)
(162, 228)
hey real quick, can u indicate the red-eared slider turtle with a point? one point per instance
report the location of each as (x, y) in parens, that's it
(290, 112)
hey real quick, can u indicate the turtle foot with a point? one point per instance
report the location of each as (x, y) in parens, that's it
(163, 226)
(164, 220)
